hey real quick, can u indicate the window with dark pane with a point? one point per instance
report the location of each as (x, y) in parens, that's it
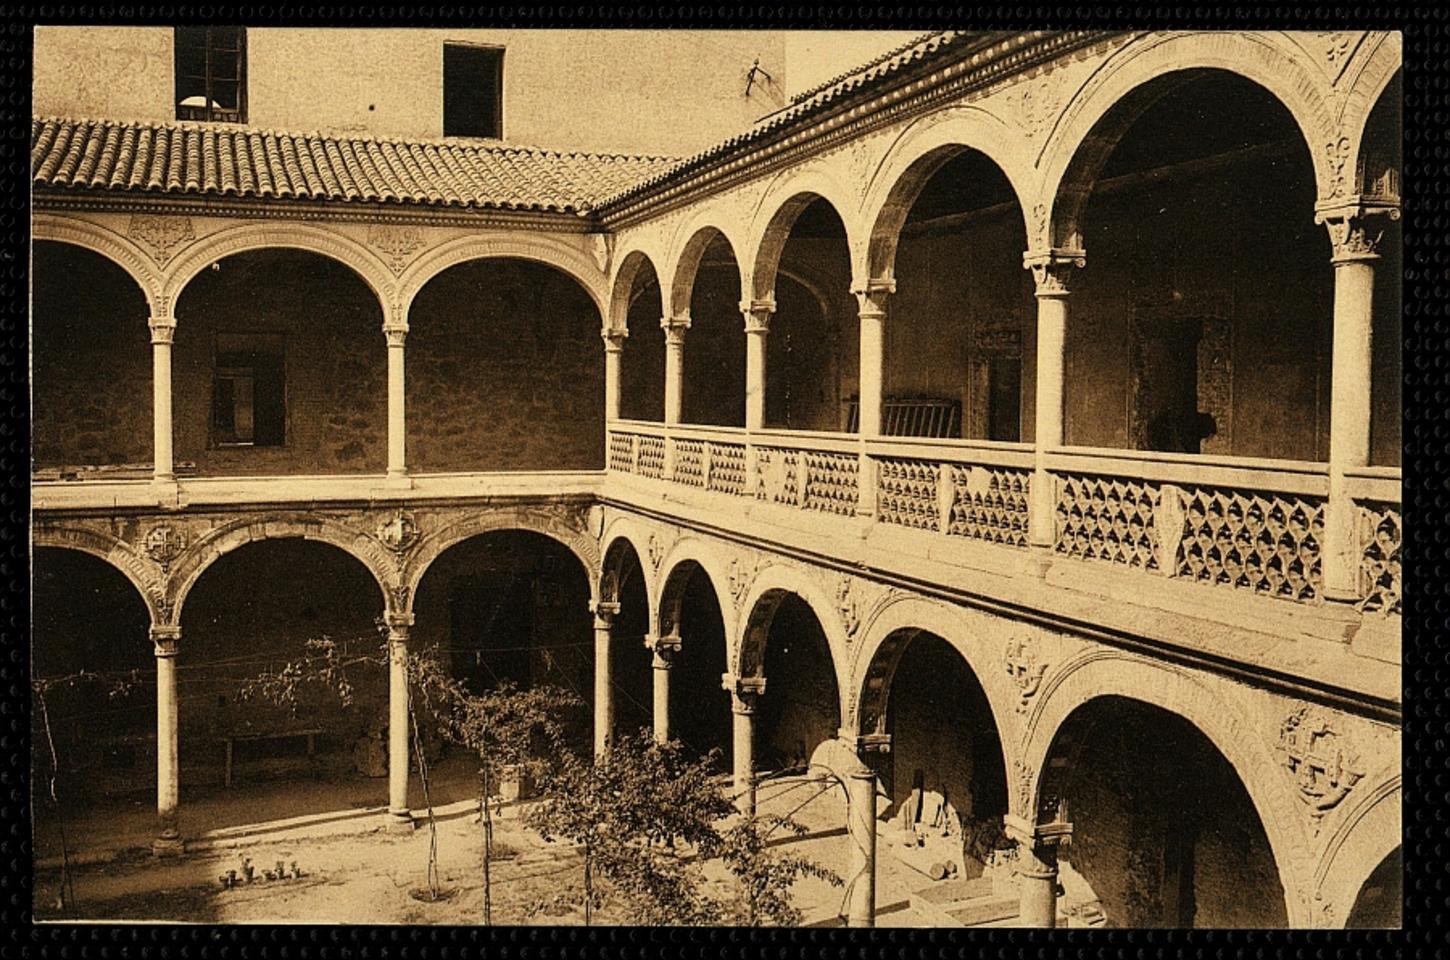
(472, 91)
(1004, 403)
(249, 395)
(211, 74)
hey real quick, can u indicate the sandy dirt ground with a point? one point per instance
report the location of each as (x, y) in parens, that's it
(354, 871)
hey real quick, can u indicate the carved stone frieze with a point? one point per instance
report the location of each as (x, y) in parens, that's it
(161, 234)
(397, 243)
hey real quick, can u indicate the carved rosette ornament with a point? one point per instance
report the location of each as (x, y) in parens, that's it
(397, 243)
(164, 544)
(1324, 765)
(161, 235)
(1025, 670)
(399, 532)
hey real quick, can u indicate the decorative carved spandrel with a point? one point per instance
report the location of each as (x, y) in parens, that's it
(397, 243)
(1025, 669)
(161, 235)
(399, 532)
(163, 544)
(1322, 761)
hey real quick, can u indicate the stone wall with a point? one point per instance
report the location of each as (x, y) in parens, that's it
(336, 364)
(505, 372)
(91, 362)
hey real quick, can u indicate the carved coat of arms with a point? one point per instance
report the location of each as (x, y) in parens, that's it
(1324, 765)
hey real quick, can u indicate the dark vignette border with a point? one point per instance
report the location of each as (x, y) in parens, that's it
(1427, 498)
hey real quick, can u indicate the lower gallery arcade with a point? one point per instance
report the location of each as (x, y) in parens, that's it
(1020, 523)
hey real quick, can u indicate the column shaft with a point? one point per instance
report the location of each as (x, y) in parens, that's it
(604, 613)
(861, 829)
(398, 724)
(757, 330)
(397, 400)
(163, 330)
(1349, 420)
(168, 783)
(613, 356)
(1048, 422)
(674, 366)
(1037, 871)
(743, 759)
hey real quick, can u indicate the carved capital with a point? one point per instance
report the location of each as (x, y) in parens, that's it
(675, 327)
(1052, 269)
(665, 650)
(396, 333)
(871, 298)
(604, 613)
(757, 315)
(614, 339)
(398, 625)
(163, 330)
(1355, 227)
(744, 692)
(166, 639)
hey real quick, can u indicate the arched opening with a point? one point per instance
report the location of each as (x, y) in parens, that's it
(249, 614)
(945, 774)
(504, 371)
(963, 314)
(1379, 176)
(91, 655)
(699, 711)
(801, 704)
(1380, 903)
(642, 364)
(1164, 834)
(90, 365)
(1202, 322)
(631, 670)
(511, 605)
(813, 349)
(714, 374)
(280, 367)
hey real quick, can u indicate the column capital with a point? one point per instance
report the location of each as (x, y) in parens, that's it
(163, 328)
(398, 623)
(604, 613)
(166, 639)
(1036, 835)
(865, 743)
(665, 649)
(1355, 226)
(396, 333)
(1052, 269)
(871, 297)
(613, 338)
(675, 326)
(757, 315)
(744, 691)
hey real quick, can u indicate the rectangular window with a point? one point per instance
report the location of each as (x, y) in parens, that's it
(1004, 398)
(472, 91)
(211, 74)
(249, 402)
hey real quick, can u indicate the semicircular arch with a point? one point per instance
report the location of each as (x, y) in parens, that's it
(674, 577)
(549, 251)
(783, 202)
(142, 573)
(770, 585)
(106, 243)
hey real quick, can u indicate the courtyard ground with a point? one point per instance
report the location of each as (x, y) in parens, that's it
(354, 871)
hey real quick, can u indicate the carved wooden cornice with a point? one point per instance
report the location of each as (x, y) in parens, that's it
(912, 94)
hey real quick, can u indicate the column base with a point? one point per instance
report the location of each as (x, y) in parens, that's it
(400, 823)
(167, 847)
(398, 481)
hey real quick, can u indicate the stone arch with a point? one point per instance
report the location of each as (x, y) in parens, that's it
(547, 250)
(623, 286)
(144, 574)
(771, 585)
(1104, 672)
(917, 153)
(297, 236)
(626, 530)
(197, 558)
(1377, 68)
(433, 544)
(1367, 833)
(676, 575)
(885, 637)
(791, 193)
(686, 263)
(107, 243)
(1075, 147)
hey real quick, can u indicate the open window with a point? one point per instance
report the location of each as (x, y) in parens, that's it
(211, 74)
(472, 90)
(249, 404)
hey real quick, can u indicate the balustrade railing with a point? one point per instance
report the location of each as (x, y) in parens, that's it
(1255, 526)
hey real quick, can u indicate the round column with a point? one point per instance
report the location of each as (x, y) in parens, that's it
(397, 335)
(163, 332)
(665, 649)
(674, 328)
(744, 692)
(1037, 871)
(166, 642)
(861, 829)
(613, 354)
(604, 614)
(1051, 271)
(757, 330)
(400, 815)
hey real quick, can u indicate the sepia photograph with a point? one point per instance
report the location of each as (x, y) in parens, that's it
(715, 477)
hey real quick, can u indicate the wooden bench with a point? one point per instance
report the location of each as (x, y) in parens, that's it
(230, 740)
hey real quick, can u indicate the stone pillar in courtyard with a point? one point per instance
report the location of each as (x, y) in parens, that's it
(757, 331)
(166, 641)
(665, 650)
(1051, 271)
(400, 816)
(744, 692)
(163, 331)
(397, 334)
(1037, 847)
(1355, 229)
(613, 354)
(871, 312)
(604, 613)
(674, 328)
(861, 825)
